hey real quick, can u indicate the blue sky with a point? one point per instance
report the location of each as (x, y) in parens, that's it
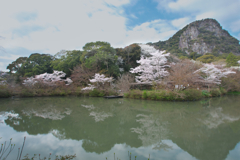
(49, 26)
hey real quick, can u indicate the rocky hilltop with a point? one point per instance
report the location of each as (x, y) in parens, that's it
(201, 37)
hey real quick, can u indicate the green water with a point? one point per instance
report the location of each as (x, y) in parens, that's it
(96, 128)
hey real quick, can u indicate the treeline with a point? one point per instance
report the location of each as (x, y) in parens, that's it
(98, 56)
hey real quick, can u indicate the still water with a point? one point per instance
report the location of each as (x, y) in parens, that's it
(96, 128)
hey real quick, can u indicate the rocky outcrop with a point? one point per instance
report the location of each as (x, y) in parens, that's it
(206, 36)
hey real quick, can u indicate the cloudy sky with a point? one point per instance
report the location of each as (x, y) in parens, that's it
(48, 26)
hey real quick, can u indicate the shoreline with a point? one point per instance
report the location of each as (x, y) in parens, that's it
(153, 95)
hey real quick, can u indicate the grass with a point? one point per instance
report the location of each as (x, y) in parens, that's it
(234, 93)
(175, 95)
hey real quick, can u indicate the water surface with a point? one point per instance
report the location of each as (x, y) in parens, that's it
(96, 128)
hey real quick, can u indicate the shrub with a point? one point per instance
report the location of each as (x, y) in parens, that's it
(152, 95)
(96, 93)
(26, 93)
(136, 94)
(4, 92)
(161, 95)
(205, 93)
(192, 94)
(144, 95)
(222, 90)
(215, 92)
(126, 95)
(170, 96)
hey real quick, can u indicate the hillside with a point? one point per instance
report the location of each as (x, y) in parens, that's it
(201, 37)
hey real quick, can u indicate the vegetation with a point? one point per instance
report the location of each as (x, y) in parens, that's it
(173, 73)
(173, 95)
(232, 60)
(207, 58)
(33, 65)
(7, 149)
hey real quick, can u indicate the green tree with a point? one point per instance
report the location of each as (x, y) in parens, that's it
(207, 58)
(37, 64)
(15, 66)
(102, 56)
(66, 60)
(130, 55)
(232, 60)
(33, 65)
(194, 55)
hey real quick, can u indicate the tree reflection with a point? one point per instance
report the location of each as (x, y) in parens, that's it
(205, 130)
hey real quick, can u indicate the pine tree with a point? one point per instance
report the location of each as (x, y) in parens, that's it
(232, 60)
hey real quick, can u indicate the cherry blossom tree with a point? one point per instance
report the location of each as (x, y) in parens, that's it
(151, 68)
(47, 78)
(239, 62)
(214, 73)
(99, 80)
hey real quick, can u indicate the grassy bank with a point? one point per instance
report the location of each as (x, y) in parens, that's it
(160, 95)
(169, 95)
(61, 90)
(233, 93)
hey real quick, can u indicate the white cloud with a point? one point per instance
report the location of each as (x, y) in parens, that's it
(150, 32)
(181, 22)
(117, 2)
(62, 26)
(225, 12)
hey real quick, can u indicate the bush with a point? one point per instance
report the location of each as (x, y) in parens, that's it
(215, 92)
(222, 90)
(144, 95)
(126, 95)
(26, 93)
(170, 96)
(205, 93)
(192, 94)
(161, 95)
(137, 94)
(4, 92)
(152, 95)
(96, 93)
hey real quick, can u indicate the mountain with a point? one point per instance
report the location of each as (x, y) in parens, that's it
(201, 37)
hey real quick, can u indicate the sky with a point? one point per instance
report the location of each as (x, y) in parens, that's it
(49, 26)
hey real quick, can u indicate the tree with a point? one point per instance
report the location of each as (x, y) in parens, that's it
(81, 75)
(194, 55)
(15, 66)
(47, 78)
(33, 65)
(99, 80)
(213, 73)
(37, 64)
(232, 60)
(67, 61)
(183, 73)
(207, 58)
(102, 56)
(129, 55)
(151, 68)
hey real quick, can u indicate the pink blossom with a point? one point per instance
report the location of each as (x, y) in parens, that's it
(47, 78)
(151, 68)
(213, 73)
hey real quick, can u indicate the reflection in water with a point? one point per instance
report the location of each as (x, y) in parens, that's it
(152, 131)
(9, 115)
(50, 113)
(215, 117)
(168, 130)
(100, 116)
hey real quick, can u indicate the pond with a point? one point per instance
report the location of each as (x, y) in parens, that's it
(96, 128)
